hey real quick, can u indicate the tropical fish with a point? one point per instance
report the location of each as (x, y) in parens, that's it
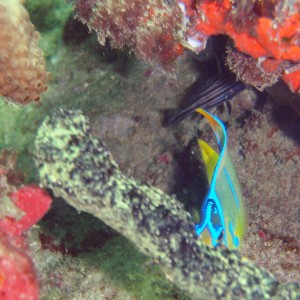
(223, 215)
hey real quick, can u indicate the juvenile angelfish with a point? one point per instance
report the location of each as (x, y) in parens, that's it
(223, 215)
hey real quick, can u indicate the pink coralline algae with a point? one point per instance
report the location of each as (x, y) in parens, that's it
(19, 211)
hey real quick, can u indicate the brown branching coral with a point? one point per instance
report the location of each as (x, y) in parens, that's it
(149, 27)
(22, 67)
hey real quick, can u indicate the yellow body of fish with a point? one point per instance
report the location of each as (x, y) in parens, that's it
(223, 216)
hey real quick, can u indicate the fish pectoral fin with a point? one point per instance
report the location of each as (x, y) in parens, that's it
(210, 158)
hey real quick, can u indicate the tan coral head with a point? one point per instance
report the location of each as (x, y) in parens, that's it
(23, 75)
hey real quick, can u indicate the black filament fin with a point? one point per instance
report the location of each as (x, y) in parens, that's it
(214, 91)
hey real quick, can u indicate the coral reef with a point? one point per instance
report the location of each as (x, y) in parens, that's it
(80, 169)
(17, 275)
(150, 28)
(124, 103)
(269, 139)
(22, 67)
(157, 30)
(19, 210)
(261, 29)
(251, 71)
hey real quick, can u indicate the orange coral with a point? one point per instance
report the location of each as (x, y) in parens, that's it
(276, 35)
(268, 31)
(261, 29)
(22, 67)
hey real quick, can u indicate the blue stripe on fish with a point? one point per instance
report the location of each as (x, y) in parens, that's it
(223, 215)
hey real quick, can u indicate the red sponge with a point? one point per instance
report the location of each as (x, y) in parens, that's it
(18, 279)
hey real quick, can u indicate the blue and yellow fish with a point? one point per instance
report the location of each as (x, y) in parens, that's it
(223, 216)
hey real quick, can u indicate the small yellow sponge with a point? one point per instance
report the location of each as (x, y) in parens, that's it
(23, 75)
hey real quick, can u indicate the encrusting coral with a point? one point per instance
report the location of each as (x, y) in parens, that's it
(266, 30)
(18, 279)
(79, 168)
(157, 30)
(20, 209)
(150, 27)
(252, 72)
(23, 75)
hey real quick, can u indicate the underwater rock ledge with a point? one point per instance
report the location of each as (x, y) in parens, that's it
(78, 168)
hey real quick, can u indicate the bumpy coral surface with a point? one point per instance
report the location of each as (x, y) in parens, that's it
(150, 28)
(18, 279)
(262, 29)
(22, 67)
(78, 168)
(158, 30)
(19, 210)
(17, 276)
(252, 72)
(259, 28)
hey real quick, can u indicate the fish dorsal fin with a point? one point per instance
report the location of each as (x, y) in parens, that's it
(210, 158)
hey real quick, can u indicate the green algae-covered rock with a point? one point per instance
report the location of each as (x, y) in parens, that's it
(49, 17)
